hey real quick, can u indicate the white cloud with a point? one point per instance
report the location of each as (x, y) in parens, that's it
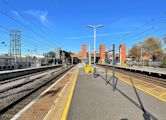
(15, 13)
(39, 14)
(99, 35)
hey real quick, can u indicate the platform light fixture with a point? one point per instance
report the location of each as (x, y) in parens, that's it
(94, 29)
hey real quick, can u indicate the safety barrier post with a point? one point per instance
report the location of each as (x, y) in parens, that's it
(113, 67)
(106, 67)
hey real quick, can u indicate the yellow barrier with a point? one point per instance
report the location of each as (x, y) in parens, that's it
(88, 68)
(92, 69)
(123, 64)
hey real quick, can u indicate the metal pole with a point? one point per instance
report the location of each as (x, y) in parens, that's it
(94, 29)
(89, 56)
(113, 67)
(141, 57)
(113, 78)
(106, 67)
(94, 45)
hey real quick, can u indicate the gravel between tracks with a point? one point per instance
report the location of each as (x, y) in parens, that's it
(7, 97)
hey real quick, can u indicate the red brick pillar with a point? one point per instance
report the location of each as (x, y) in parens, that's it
(83, 53)
(102, 53)
(122, 53)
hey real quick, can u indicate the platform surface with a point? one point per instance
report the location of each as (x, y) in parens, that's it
(93, 100)
(144, 69)
(149, 69)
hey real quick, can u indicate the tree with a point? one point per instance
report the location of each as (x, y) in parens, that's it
(164, 39)
(51, 54)
(135, 51)
(153, 47)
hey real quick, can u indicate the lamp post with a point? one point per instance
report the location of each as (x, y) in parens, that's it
(3, 43)
(94, 30)
(31, 54)
(89, 56)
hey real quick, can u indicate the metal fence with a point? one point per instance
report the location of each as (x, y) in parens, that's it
(145, 63)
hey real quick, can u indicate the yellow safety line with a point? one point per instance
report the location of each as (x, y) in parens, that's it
(147, 83)
(64, 114)
(146, 91)
(151, 89)
(164, 100)
(162, 94)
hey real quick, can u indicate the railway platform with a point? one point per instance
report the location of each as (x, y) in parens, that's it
(143, 69)
(80, 96)
(93, 100)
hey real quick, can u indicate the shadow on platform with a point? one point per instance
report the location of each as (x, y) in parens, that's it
(146, 114)
(52, 92)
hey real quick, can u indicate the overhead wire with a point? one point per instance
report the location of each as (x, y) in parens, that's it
(146, 23)
(6, 31)
(18, 22)
(129, 38)
(27, 19)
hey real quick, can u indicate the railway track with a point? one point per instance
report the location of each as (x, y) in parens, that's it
(14, 95)
(154, 80)
(24, 76)
(157, 81)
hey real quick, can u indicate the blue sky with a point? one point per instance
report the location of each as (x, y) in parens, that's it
(61, 23)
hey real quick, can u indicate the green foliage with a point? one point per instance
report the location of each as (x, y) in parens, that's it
(151, 47)
(50, 54)
(135, 51)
